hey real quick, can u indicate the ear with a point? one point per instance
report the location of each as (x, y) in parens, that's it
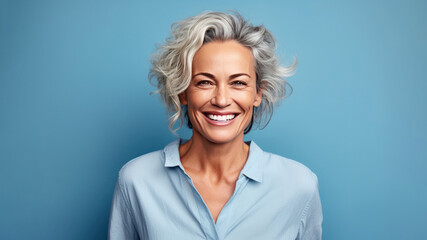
(258, 98)
(183, 98)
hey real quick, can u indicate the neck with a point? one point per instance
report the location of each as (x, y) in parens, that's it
(201, 155)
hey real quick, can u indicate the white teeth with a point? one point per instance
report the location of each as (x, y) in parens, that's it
(221, 117)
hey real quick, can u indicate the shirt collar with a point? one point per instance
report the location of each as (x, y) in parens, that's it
(172, 154)
(253, 168)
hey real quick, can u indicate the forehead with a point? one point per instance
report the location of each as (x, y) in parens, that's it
(225, 57)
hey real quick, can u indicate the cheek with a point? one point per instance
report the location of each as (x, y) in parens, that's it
(197, 99)
(246, 101)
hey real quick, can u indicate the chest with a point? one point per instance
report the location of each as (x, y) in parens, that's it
(243, 211)
(215, 195)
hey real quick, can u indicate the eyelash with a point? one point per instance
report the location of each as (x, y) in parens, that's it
(239, 83)
(235, 83)
(204, 82)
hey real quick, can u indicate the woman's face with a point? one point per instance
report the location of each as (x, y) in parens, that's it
(222, 92)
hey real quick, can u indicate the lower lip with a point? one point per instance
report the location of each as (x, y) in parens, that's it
(219, 123)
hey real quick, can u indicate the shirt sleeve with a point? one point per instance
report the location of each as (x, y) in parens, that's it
(121, 225)
(311, 222)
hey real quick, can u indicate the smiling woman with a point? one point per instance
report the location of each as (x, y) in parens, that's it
(221, 72)
(222, 93)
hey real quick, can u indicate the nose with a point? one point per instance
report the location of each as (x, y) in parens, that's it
(221, 97)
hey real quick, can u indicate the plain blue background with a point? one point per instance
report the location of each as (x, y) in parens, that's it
(75, 106)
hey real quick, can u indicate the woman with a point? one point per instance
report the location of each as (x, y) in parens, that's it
(221, 73)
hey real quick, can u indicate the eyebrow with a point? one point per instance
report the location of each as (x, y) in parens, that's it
(211, 76)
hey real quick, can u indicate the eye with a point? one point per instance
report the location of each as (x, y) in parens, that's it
(239, 83)
(204, 83)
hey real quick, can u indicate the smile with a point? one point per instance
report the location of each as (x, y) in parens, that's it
(222, 118)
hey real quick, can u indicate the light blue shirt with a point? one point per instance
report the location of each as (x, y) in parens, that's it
(274, 198)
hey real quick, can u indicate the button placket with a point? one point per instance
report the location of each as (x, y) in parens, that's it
(227, 212)
(206, 219)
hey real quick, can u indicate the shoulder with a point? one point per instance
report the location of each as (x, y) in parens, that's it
(291, 167)
(290, 174)
(142, 167)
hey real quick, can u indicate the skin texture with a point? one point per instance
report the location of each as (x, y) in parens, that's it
(223, 81)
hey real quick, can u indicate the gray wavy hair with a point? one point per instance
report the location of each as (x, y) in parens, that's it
(171, 63)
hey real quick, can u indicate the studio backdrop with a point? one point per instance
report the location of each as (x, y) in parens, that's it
(75, 105)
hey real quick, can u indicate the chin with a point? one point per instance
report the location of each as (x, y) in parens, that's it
(221, 136)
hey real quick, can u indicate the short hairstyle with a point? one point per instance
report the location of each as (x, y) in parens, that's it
(172, 61)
